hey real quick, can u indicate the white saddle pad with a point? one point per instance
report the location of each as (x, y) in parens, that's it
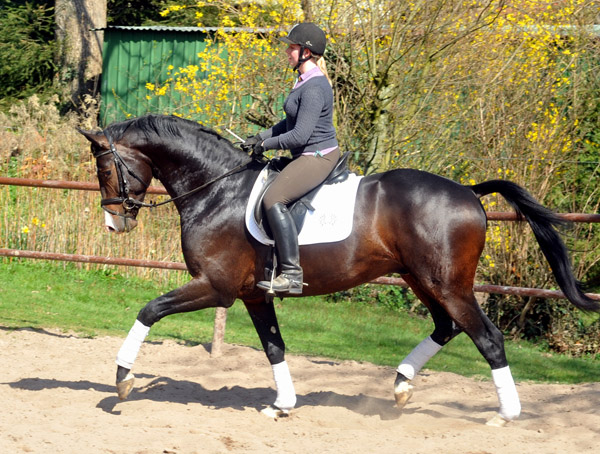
(330, 221)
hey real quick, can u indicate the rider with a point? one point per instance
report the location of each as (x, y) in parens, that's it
(308, 132)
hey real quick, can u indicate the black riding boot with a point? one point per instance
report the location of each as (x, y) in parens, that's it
(286, 242)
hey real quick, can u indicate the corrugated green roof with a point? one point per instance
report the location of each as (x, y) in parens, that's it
(164, 28)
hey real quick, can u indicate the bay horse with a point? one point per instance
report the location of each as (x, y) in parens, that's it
(427, 228)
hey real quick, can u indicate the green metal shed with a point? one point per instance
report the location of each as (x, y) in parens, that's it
(134, 56)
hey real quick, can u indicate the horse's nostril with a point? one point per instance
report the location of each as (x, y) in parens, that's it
(109, 229)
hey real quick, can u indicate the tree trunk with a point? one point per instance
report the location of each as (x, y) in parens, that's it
(377, 143)
(307, 8)
(80, 47)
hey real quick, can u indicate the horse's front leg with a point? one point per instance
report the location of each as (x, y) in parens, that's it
(195, 295)
(265, 321)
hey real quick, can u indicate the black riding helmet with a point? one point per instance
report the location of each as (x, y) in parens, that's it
(308, 36)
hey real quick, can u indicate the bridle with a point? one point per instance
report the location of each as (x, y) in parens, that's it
(131, 205)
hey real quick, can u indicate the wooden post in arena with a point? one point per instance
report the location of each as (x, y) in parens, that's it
(216, 348)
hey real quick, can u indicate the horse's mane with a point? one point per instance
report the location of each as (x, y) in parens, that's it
(180, 135)
(163, 126)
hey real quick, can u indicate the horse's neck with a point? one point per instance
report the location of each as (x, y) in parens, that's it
(182, 169)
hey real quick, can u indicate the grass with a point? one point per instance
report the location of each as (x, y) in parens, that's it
(92, 303)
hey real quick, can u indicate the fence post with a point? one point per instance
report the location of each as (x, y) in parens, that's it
(216, 348)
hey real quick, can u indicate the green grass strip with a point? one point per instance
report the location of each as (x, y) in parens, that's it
(93, 303)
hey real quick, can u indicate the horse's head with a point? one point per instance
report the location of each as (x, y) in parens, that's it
(124, 174)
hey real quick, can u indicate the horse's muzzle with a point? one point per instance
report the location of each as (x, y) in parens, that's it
(119, 224)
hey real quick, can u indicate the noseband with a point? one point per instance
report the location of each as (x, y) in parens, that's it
(130, 205)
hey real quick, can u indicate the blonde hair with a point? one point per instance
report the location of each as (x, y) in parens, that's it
(320, 61)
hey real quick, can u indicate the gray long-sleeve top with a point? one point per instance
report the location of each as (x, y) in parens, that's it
(308, 125)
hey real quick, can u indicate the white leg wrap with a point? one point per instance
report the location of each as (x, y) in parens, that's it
(286, 394)
(131, 346)
(510, 406)
(415, 361)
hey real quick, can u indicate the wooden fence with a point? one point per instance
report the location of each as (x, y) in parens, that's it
(221, 313)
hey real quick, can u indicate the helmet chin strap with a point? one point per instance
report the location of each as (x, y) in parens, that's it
(301, 59)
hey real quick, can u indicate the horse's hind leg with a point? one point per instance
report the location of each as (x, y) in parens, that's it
(445, 330)
(458, 311)
(489, 340)
(463, 309)
(265, 321)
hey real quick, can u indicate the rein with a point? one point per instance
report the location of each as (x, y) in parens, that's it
(131, 205)
(193, 191)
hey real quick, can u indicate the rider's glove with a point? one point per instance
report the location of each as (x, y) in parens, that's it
(258, 149)
(250, 142)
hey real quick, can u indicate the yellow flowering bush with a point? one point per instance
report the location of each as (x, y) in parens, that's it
(241, 74)
(471, 89)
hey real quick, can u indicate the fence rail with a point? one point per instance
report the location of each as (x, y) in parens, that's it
(91, 259)
(88, 186)
(61, 184)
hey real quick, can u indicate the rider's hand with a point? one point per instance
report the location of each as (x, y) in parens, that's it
(258, 149)
(250, 142)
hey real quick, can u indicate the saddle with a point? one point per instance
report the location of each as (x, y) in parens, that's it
(300, 207)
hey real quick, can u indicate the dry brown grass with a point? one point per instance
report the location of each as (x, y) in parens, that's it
(36, 142)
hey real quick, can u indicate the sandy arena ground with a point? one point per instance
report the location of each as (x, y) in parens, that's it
(57, 396)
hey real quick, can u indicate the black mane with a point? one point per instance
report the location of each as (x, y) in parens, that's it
(195, 144)
(163, 126)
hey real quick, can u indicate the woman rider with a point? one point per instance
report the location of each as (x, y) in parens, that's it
(308, 132)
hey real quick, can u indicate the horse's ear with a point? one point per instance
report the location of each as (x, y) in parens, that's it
(96, 138)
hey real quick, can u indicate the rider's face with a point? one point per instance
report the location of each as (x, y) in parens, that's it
(293, 54)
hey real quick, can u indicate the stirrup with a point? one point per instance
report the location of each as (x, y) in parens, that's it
(284, 283)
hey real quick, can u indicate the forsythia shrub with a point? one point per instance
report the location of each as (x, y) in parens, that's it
(471, 89)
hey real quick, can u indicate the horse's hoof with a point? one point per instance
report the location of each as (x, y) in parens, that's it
(275, 413)
(124, 387)
(497, 421)
(403, 392)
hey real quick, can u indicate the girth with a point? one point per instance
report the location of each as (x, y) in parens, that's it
(300, 207)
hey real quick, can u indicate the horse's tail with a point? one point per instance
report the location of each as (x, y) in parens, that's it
(543, 222)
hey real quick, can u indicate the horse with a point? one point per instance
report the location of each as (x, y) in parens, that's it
(424, 227)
